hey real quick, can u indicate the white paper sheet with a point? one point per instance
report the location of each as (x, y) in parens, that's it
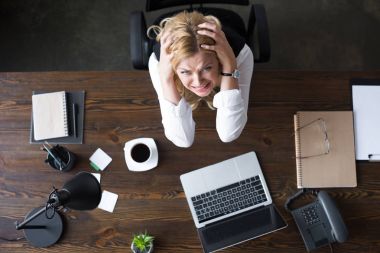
(108, 201)
(97, 175)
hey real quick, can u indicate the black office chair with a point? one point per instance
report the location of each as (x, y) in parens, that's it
(256, 36)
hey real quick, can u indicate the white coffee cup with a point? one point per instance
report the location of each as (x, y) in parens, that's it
(141, 154)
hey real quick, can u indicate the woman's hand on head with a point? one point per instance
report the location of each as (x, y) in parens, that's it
(165, 66)
(222, 48)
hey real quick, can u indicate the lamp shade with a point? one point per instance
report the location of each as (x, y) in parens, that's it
(82, 192)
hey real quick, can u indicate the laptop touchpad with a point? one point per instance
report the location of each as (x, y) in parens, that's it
(227, 171)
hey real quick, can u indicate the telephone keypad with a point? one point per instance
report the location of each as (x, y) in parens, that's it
(310, 215)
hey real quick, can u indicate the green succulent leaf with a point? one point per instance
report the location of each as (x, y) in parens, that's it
(142, 241)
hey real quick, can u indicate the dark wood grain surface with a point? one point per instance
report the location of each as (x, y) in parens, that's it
(121, 106)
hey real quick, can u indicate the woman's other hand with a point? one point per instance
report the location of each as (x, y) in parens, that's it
(223, 51)
(165, 68)
(222, 48)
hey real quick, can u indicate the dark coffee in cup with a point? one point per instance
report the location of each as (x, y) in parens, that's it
(140, 153)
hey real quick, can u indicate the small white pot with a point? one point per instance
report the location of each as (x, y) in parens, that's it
(135, 250)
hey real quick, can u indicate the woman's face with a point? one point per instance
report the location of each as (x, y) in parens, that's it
(199, 73)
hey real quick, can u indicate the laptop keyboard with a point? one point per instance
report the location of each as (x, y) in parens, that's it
(228, 199)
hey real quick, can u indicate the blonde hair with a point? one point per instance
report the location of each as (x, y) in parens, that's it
(184, 27)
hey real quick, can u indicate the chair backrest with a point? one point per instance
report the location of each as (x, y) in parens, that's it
(228, 18)
(152, 5)
(232, 24)
(234, 39)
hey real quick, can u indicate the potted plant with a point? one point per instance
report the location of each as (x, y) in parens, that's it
(142, 243)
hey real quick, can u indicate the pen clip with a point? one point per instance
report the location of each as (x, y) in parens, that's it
(374, 157)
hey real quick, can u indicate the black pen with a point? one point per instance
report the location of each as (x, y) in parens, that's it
(75, 119)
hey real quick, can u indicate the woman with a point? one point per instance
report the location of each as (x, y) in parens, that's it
(195, 61)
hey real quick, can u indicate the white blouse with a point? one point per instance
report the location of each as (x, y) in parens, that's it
(232, 105)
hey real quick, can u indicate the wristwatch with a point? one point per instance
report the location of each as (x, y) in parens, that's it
(235, 74)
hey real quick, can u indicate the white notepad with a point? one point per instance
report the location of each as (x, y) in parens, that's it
(366, 104)
(100, 160)
(50, 115)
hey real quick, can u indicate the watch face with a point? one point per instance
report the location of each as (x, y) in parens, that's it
(236, 73)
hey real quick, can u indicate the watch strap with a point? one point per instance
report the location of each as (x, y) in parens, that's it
(234, 74)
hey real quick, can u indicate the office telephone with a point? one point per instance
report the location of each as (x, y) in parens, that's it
(319, 222)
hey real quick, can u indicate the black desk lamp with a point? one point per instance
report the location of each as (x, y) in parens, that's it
(82, 192)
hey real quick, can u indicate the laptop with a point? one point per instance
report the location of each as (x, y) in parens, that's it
(230, 202)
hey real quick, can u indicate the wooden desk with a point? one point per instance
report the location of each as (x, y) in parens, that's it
(121, 106)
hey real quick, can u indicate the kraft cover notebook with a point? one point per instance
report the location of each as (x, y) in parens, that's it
(63, 118)
(325, 151)
(49, 115)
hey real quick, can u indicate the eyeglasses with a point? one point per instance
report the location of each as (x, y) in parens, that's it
(320, 126)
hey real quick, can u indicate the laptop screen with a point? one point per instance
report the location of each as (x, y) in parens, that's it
(240, 228)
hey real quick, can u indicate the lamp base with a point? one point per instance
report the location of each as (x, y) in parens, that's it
(43, 237)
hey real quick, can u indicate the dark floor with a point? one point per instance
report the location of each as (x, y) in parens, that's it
(44, 35)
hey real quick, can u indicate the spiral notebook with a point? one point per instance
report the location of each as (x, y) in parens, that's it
(325, 151)
(53, 115)
(50, 115)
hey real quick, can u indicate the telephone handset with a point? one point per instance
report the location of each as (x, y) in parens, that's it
(319, 222)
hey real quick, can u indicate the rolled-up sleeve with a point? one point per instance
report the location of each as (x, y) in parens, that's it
(231, 116)
(232, 105)
(178, 122)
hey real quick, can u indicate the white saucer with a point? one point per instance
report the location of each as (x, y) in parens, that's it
(150, 163)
